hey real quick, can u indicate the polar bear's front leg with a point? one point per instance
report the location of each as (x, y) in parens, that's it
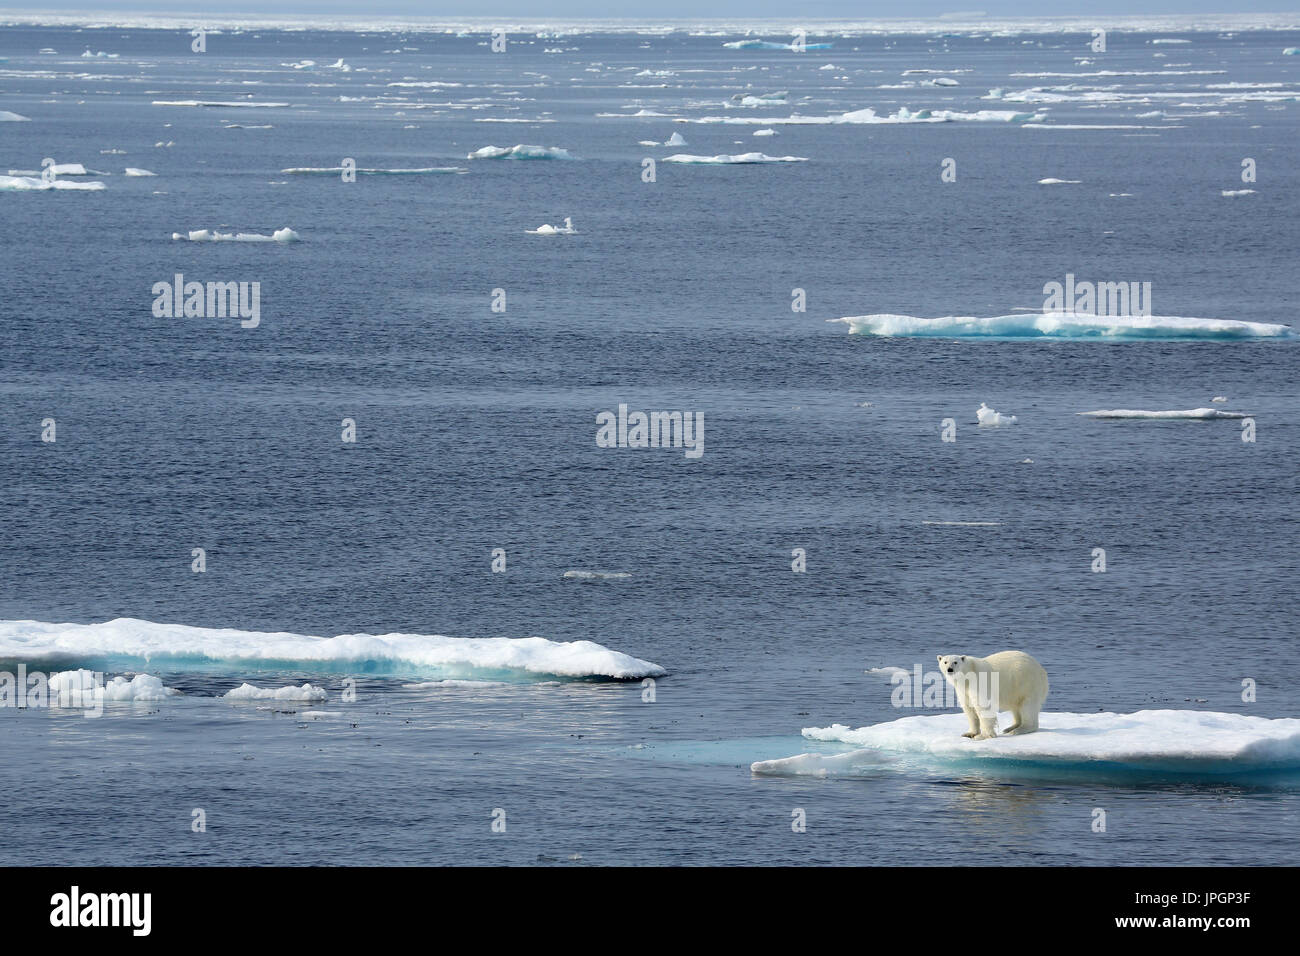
(988, 726)
(973, 718)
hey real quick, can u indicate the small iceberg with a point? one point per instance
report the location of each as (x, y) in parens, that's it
(211, 235)
(988, 418)
(675, 140)
(1059, 182)
(520, 151)
(548, 230)
(133, 171)
(1194, 414)
(1233, 193)
(596, 575)
(741, 159)
(8, 117)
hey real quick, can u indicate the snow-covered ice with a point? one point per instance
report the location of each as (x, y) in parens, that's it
(1175, 741)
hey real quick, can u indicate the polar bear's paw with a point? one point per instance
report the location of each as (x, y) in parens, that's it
(971, 733)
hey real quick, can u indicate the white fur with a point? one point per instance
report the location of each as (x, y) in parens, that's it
(1009, 680)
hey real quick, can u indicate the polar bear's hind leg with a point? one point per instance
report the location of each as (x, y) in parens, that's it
(1029, 722)
(1016, 721)
(1026, 718)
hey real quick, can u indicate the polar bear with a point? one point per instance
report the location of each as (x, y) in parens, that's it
(1009, 680)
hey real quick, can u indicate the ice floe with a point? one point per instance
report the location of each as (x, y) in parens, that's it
(769, 45)
(1166, 741)
(36, 184)
(520, 151)
(740, 159)
(57, 169)
(211, 235)
(8, 117)
(362, 171)
(224, 104)
(868, 117)
(1061, 325)
(127, 641)
(135, 171)
(1198, 414)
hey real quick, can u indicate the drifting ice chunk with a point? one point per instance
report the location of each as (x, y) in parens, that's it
(82, 688)
(548, 230)
(988, 418)
(133, 171)
(249, 692)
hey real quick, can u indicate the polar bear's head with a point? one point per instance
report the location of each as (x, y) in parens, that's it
(953, 664)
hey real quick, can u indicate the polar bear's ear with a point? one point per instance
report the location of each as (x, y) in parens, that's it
(939, 658)
(963, 657)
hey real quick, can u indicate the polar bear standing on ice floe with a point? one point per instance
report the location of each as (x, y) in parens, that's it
(1009, 680)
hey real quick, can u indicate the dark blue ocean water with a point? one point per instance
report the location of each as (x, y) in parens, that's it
(475, 431)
